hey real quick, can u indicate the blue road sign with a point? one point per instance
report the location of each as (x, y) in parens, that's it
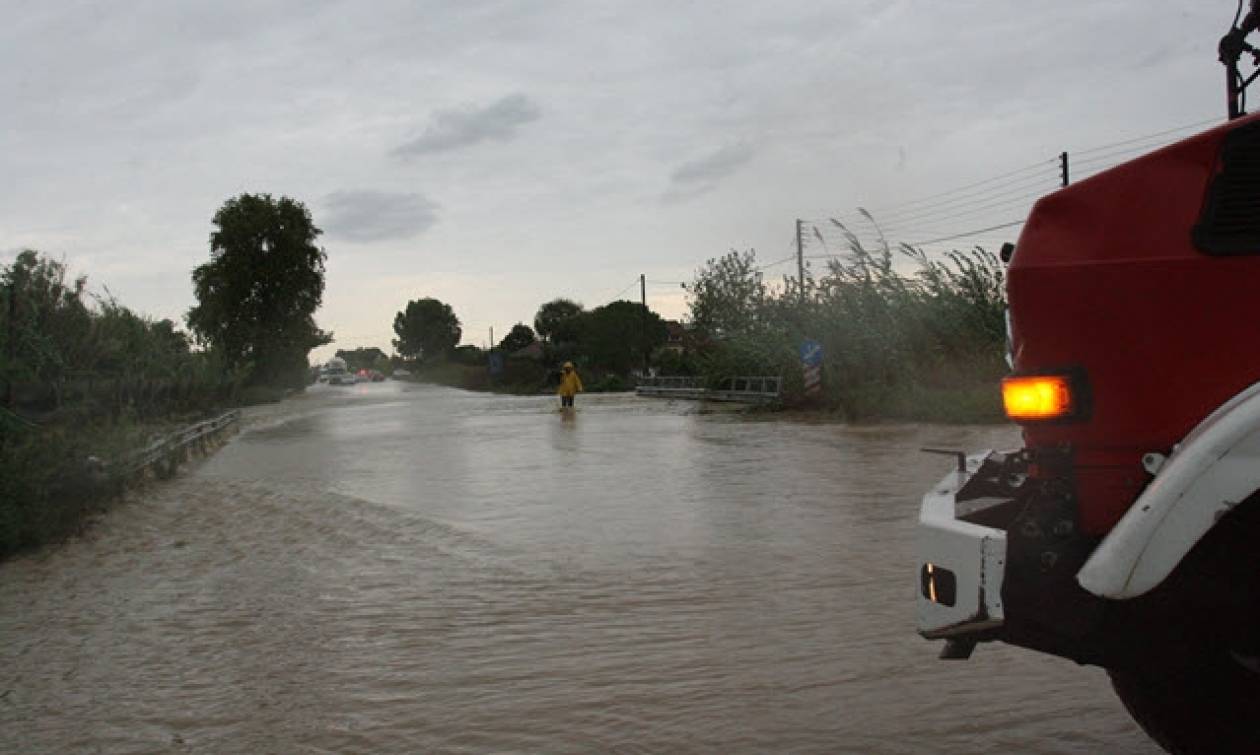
(496, 363)
(811, 353)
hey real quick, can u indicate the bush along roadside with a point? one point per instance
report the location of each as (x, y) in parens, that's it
(924, 346)
(85, 381)
(54, 478)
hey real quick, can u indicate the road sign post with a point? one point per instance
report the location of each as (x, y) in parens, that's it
(811, 366)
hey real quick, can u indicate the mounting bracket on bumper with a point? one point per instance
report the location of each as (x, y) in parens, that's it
(998, 550)
(961, 566)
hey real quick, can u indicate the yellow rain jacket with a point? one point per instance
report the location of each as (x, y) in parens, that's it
(570, 383)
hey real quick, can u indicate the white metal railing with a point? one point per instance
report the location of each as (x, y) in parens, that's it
(758, 386)
(176, 441)
(755, 388)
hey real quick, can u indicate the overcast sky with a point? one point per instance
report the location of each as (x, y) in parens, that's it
(499, 154)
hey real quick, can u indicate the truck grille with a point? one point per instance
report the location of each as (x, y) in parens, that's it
(1230, 223)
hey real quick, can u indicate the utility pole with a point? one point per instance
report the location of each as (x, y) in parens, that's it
(800, 258)
(491, 338)
(643, 328)
(1063, 168)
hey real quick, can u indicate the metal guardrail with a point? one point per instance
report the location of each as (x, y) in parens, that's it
(756, 386)
(179, 440)
(672, 382)
(742, 389)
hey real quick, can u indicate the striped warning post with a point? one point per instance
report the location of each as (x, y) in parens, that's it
(811, 365)
(813, 380)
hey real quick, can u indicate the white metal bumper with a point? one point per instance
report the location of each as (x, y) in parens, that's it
(960, 564)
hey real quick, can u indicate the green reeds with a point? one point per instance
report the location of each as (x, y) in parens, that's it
(905, 336)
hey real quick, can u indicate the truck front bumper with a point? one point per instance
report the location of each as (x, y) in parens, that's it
(961, 563)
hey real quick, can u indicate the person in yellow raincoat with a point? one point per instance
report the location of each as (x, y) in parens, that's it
(570, 385)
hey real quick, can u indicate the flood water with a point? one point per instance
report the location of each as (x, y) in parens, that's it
(404, 568)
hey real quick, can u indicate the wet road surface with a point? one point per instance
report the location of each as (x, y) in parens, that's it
(404, 568)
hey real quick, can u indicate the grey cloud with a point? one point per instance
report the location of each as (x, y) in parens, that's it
(378, 215)
(469, 125)
(698, 176)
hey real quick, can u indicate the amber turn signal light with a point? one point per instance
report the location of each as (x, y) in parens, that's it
(1038, 397)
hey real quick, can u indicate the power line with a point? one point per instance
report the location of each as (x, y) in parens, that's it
(1148, 137)
(908, 224)
(966, 234)
(964, 198)
(968, 208)
(1120, 153)
(976, 194)
(1035, 166)
(1104, 162)
(937, 231)
(976, 234)
(906, 227)
(774, 264)
(633, 283)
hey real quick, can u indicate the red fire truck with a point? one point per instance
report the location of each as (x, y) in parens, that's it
(1125, 533)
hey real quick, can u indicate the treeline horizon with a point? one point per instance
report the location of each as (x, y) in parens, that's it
(927, 344)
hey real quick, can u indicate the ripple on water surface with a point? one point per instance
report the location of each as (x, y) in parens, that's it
(392, 568)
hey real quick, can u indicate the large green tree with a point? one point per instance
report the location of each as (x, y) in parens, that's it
(557, 321)
(427, 328)
(617, 336)
(51, 327)
(728, 296)
(520, 336)
(257, 296)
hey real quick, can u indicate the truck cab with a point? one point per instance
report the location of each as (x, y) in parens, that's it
(1123, 533)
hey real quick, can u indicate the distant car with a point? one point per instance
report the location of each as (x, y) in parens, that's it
(377, 377)
(401, 373)
(335, 372)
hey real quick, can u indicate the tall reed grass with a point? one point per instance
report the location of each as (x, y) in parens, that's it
(82, 376)
(905, 336)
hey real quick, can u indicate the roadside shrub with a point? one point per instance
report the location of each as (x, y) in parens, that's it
(76, 357)
(87, 377)
(612, 383)
(468, 355)
(671, 362)
(896, 345)
(47, 485)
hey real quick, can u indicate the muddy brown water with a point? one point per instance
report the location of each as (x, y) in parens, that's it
(402, 568)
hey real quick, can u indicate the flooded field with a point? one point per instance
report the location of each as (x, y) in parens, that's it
(402, 568)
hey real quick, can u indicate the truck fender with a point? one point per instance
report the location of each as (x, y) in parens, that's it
(1214, 469)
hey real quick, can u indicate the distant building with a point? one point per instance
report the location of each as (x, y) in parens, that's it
(676, 336)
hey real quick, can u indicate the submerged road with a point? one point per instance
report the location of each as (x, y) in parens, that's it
(405, 568)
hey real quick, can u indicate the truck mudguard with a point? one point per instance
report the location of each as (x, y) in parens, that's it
(1216, 467)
